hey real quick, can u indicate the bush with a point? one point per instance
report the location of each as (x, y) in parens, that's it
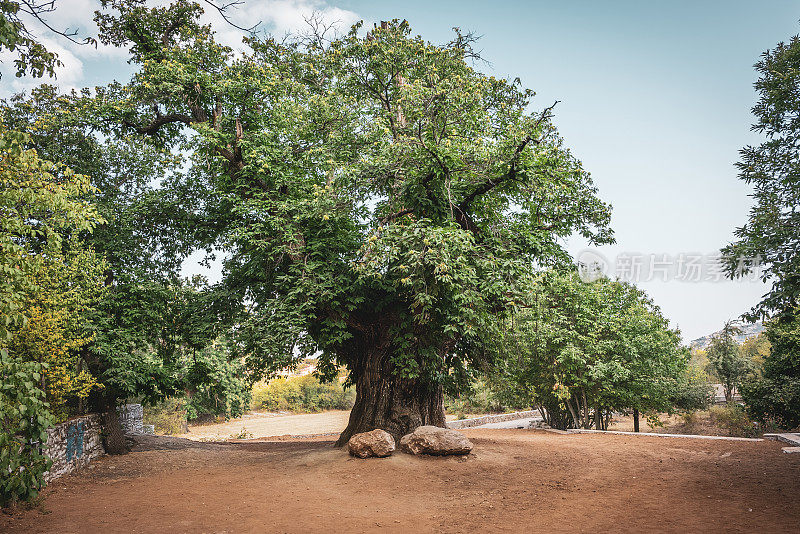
(733, 418)
(480, 397)
(219, 385)
(693, 390)
(168, 417)
(301, 394)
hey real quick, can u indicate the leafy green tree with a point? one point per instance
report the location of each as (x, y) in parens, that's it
(771, 168)
(757, 349)
(215, 383)
(585, 350)
(771, 232)
(382, 202)
(148, 316)
(727, 359)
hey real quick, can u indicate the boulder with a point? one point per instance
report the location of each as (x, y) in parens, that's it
(373, 443)
(436, 441)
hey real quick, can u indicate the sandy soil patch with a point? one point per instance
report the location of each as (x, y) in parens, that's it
(257, 424)
(516, 481)
(263, 424)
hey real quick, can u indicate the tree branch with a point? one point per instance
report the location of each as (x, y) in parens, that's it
(158, 122)
(490, 184)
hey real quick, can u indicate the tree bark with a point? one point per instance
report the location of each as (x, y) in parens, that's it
(389, 402)
(113, 436)
(635, 420)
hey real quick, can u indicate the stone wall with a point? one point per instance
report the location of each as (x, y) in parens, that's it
(130, 417)
(498, 418)
(73, 444)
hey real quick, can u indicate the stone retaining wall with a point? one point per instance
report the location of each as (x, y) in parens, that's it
(499, 418)
(73, 444)
(130, 417)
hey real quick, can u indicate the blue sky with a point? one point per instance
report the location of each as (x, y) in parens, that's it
(655, 100)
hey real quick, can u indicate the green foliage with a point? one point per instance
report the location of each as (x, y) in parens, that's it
(31, 56)
(24, 419)
(39, 200)
(148, 318)
(302, 394)
(585, 350)
(771, 170)
(217, 384)
(774, 395)
(728, 420)
(734, 420)
(693, 390)
(757, 349)
(727, 358)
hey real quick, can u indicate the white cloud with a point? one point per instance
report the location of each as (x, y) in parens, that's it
(277, 17)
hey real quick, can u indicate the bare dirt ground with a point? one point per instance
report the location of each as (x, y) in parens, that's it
(515, 481)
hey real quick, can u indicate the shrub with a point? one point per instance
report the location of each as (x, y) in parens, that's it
(301, 394)
(480, 397)
(733, 419)
(693, 390)
(168, 417)
(219, 385)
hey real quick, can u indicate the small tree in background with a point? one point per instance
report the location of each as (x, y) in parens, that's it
(583, 351)
(727, 359)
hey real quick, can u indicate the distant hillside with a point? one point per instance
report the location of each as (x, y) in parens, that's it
(748, 330)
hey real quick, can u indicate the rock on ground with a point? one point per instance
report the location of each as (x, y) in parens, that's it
(373, 443)
(436, 441)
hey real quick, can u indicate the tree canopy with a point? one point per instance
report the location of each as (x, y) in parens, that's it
(380, 200)
(585, 350)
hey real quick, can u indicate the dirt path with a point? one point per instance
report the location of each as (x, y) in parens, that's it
(257, 424)
(268, 424)
(517, 481)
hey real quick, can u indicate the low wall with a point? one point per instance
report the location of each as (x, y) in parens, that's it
(498, 418)
(73, 444)
(130, 417)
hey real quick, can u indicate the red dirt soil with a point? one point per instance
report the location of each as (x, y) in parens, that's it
(515, 481)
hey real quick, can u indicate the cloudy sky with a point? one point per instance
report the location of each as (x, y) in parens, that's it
(654, 99)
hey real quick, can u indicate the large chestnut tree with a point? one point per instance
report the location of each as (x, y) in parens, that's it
(380, 201)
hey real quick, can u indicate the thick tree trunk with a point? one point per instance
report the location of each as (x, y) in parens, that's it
(635, 420)
(391, 403)
(113, 436)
